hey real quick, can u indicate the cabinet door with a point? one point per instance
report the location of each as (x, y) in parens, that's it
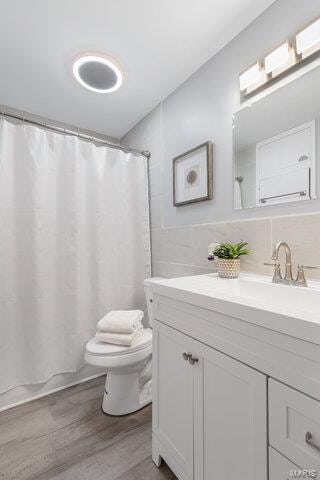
(173, 379)
(231, 413)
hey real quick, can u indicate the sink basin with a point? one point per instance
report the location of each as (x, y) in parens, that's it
(262, 292)
(253, 298)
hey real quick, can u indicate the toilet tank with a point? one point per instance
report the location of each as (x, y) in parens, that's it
(149, 298)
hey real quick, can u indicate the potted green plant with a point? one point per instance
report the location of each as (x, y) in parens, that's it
(227, 257)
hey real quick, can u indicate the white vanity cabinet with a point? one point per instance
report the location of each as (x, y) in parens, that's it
(209, 415)
(173, 411)
(292, 416)
(236, 384)
(280, 468)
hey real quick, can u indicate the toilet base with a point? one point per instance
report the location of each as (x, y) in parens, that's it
(127, 392)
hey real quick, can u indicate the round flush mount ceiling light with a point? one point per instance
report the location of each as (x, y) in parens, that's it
(97, 73)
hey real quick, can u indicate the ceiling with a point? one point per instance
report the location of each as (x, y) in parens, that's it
(158, 44)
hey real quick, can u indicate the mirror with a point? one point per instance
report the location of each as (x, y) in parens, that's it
(277, 145)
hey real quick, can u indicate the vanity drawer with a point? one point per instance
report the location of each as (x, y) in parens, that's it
(292, 415)
(280, 468)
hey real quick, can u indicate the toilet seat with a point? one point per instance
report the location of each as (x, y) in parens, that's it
(96, 347)
(108, 355)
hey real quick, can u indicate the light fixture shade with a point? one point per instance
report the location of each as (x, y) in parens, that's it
(308, 38)
(250, 77)
(277, 59)
(97, 73)
(296, 51)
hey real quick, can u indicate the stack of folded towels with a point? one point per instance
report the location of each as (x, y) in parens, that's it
(121, 327)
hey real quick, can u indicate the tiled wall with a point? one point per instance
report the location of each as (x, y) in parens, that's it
(182, 251)
(179, 251)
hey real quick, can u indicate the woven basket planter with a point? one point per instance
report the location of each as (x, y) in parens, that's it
(228, 267)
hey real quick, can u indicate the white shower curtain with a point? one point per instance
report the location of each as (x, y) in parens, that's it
(74, 243)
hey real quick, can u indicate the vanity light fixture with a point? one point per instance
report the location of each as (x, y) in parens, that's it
(308, 40)
(97, 73)
(250, 77)
(277, 59)
(292, 53)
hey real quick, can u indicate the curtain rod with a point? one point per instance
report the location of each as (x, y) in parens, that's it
(75, 133)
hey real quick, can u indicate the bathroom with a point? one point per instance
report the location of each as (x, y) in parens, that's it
(215, 377)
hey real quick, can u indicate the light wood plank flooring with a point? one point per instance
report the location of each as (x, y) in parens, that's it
(66, 436)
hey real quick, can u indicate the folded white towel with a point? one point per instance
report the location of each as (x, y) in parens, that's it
(121, 321)
(126, 339)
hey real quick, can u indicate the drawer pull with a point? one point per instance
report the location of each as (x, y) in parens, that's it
(312, 443)
(186, 356)
(193, 359)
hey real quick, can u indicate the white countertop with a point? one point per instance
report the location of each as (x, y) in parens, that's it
(291, 310)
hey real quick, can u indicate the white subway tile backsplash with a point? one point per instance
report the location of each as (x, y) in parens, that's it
(183, 250)
(174, 245)
(171, 270)
(189, 245)
(256, 232)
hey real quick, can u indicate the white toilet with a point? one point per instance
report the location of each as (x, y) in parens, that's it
(129, 379)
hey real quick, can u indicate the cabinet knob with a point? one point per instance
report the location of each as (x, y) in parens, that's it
(186, 356)
(193, 359)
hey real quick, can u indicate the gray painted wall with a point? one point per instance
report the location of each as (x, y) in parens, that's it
(202, 109)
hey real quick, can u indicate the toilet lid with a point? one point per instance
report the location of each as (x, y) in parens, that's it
(95, 347)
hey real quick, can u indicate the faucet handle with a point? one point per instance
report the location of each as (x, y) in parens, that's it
(301, 279)
(277, 273)
(304, 267)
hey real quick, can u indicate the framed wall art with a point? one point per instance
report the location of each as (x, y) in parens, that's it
(193, 175)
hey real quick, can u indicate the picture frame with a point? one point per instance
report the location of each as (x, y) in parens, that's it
(193, 175)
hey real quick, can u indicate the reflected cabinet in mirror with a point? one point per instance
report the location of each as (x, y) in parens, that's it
(277, 145)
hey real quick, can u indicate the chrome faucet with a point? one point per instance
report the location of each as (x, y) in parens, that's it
(288, 279)
(300, 281)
